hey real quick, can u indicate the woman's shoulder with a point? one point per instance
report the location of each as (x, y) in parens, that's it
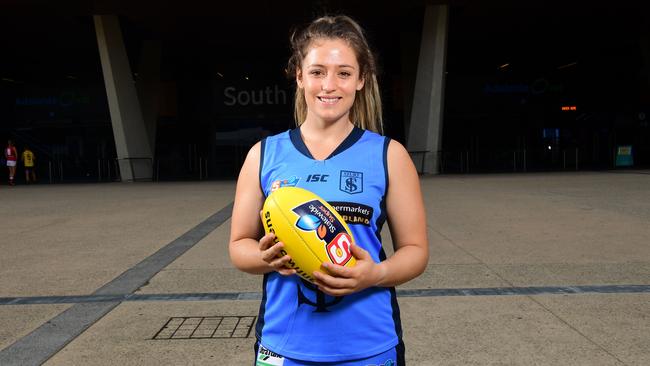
(280, 135)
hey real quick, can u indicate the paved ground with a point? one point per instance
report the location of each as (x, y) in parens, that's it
(535, 269)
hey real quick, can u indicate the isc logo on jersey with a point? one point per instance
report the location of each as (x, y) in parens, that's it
(314, 217)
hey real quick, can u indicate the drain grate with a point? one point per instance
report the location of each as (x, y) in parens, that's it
(204, 327)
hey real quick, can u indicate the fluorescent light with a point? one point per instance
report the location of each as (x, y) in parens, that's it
(567, 65)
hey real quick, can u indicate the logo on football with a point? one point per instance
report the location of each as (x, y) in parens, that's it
(316, 217)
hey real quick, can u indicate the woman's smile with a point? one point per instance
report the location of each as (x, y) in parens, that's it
(327, 100)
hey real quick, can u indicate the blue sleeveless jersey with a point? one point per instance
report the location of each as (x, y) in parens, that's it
(295, 319)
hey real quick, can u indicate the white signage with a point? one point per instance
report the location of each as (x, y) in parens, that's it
(266, 96)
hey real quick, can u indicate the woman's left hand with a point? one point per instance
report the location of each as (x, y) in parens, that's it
(343, 281)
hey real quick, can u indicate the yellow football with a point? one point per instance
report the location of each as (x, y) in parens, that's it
(311, 230)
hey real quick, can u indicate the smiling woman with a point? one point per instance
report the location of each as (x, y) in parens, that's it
(330, 79)
(337, 153)
(350, 59)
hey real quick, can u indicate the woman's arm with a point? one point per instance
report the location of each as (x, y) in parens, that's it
(247, 252)
(407, 222)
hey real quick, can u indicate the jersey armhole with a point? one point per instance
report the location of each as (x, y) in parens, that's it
(262, 147)
(385, 158)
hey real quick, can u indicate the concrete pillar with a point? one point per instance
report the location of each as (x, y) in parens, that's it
(425, 127)
(134, 151)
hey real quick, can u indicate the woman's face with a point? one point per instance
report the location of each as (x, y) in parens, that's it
(330, 77)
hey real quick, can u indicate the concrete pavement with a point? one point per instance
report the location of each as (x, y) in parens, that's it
(553, 232)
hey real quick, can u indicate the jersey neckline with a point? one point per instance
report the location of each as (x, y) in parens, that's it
(299, 144)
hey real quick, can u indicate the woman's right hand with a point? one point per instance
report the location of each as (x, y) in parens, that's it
(271, 253)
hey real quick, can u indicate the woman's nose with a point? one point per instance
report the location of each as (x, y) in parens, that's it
(329, 83)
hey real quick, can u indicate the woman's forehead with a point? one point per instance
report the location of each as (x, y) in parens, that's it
(336, 51)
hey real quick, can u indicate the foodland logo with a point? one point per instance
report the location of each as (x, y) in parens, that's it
(267, 96)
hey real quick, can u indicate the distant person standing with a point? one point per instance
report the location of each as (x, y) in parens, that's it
(11, 156)
(29, 159)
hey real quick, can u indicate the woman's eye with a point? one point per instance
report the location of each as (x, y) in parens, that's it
(316, 72)
(345, 74)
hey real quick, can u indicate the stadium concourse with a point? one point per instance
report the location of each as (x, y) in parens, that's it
(529, 269)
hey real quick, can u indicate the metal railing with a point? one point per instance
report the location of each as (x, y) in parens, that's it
(509, 160)
(68, 170)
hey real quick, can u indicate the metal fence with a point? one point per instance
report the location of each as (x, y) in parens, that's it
(527, 160)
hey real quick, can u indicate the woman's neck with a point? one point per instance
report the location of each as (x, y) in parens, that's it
(323, 138)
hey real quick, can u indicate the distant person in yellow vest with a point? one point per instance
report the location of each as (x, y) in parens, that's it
(11, 156)
(28, 160)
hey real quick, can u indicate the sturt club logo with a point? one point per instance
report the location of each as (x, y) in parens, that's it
(315, 217)
(351, 182)
(316, 298)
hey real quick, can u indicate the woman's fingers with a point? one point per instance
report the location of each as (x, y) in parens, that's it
(267, 241)
(271, 253)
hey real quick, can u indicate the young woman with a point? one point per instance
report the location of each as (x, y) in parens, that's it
(12, 157)
(350, 316)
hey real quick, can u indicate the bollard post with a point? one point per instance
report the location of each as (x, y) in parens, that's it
(462, 163)
(576, 159)
(61, 170)
(524, 160)
(205, 161)
(514, 161)
(49, 163)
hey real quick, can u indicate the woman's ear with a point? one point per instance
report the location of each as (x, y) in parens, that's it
(360, 83)
(299, 78)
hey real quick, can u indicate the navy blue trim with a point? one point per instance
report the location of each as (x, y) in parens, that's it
(256, 349)
(382, 205)
(260, 317)
(296, 139)
(396, 313)
(262, 148)
(350, 140)
(385, 157)
(401, 353)
(382, 255)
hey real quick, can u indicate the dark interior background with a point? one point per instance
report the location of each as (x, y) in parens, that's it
(511, 68)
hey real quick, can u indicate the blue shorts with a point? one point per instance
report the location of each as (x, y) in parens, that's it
(392, 357)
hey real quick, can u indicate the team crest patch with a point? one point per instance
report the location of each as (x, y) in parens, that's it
(351, 182)
(291, 182)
